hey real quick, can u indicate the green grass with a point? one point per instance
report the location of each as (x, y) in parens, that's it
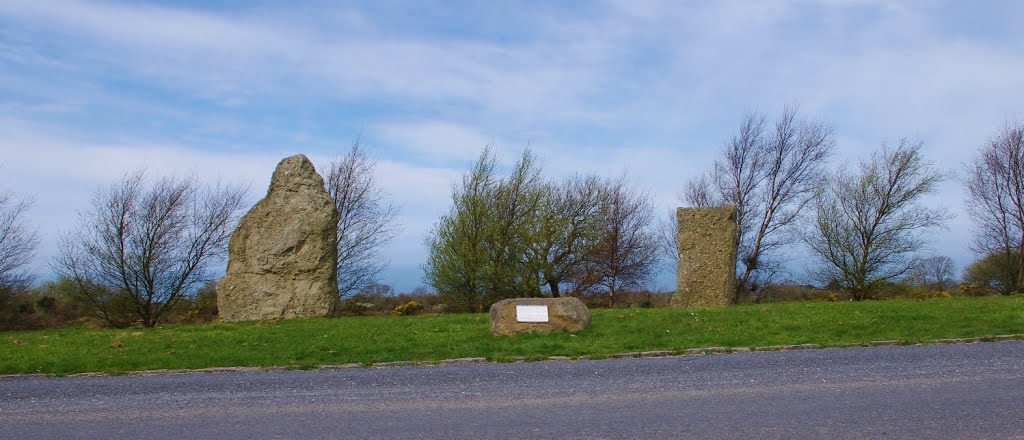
(305, 343)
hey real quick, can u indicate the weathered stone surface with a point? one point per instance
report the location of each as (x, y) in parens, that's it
(564, 314)
(707, 257)
(282, 258)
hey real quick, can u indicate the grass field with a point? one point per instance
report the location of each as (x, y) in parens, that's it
(306, 343)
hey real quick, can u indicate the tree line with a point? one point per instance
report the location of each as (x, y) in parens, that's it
(145, 243)
(517, 235)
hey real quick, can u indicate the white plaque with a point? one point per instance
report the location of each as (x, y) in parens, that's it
(531, 313)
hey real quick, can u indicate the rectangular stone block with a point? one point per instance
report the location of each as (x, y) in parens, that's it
(706, 275)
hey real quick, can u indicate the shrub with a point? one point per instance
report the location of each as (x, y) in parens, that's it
(36, 308)
(46, 303)
(966, 289)
(409, 308)
(921, 292)
(14, 310)
(824, 295)
(794, 292)
(996, 273)
(625, 299)
(203, 308)
(354, 307)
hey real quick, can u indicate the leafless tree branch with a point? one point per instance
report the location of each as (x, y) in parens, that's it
(870, 224)
(144, 245)
(18, 241)
(770, 173)
(995, 199)
(627, 251)
(366, 220)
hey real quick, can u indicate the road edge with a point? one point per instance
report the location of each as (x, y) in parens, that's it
(703, 351)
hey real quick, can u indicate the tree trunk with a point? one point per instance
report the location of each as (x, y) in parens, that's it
(554, 288)
(749, 267)
(1020, 268)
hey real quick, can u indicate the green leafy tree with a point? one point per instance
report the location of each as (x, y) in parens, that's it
(514, 209)
(511, 236)
(995, 273)
(508, 236)
(458, 258)
(567, 227)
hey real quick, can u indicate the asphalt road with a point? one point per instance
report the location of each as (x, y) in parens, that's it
(971, 391)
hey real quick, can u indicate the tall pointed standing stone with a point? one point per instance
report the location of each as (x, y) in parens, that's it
(282, 258)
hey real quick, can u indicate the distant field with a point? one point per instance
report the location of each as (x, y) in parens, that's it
(307, 343)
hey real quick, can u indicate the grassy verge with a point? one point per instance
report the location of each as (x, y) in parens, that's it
(305, 343)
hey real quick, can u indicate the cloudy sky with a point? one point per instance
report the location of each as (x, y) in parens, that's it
(90, 90)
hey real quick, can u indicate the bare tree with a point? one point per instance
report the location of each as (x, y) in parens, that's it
(366, 221)
(704, 191)
(18, 241)
(870, 224)
(568, 225)
(626, 253)
(668, 239)
(995, 199)
(143, 246)
(377, 290)
(770, 173)
(934, 272)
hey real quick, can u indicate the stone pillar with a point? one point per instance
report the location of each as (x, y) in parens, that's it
(707, 257)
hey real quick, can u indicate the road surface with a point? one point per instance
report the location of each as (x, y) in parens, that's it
(973, 391)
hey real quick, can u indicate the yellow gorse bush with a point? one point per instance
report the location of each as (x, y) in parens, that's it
(409, 308)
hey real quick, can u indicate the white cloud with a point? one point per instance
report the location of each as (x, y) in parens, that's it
(233, 58)
(63, 174)
(651, 85)
(433, 140)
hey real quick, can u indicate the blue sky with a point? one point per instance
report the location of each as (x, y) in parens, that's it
(90, 90)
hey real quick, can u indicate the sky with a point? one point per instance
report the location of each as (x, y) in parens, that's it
(90, 90)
